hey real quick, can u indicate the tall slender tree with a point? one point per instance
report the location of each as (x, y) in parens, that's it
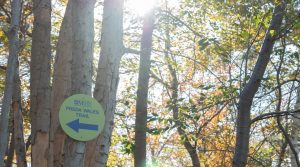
(81, 69)
(61, 87)
(295, 131)
(247, 95)
(40, 82)
(107, 79)
(142, 92)
(18, 136)
(9, 76)
(11, 151)
(174, 86)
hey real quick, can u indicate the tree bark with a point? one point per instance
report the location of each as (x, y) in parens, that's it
(295, 131)
(11, 151)
(81, 69)
(142, 91)
(61, 87)
(40, 82)
(107, 79)
(9, 76)
(18, 136)
(247, 95)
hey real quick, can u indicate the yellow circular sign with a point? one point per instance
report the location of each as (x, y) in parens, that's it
(81, 117)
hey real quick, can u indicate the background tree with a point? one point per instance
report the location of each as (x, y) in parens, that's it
(18, 136)
(142, 91)
(294, 132)
(9, 76)
(246, 97)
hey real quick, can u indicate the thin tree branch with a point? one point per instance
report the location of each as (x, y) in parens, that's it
(209, 120)
(274, 114)
(131, 51)
(175, 18)
(153, 75)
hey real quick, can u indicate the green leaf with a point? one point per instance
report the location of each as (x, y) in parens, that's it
(272, 33)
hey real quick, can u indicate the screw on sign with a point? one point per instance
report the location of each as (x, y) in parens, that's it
(81, 117)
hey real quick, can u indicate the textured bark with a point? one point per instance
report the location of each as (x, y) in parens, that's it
(11, 151)
(247, 95)
(61, 87)
(9, 76)
(295, 132)
(18, 136)
(142, 92)
(81, 68)
(40, 82)
(107, 79)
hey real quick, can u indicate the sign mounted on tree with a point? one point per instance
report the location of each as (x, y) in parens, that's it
(81, 117)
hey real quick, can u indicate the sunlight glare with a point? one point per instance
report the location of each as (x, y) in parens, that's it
(141, 7)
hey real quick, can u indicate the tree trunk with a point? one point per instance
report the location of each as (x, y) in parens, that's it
(174, 100)
(11, 151)
(40, 82)
(81, 68)
(247, 95)
(142, 92)
(61, 87)
(18, 123)
(9, 76)
(107, 79)
(295, 131)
